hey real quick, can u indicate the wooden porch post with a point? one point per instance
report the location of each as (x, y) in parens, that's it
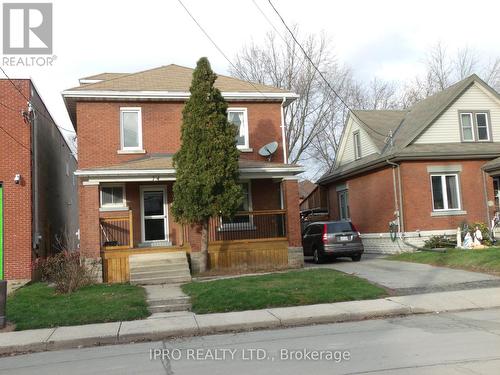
(131, 229)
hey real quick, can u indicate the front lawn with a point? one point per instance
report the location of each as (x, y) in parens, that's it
(38, 306)
(481, 260)
(292, 288)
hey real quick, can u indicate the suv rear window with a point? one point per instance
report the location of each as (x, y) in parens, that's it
(340, 226)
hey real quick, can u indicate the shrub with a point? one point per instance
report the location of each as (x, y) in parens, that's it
(439, 242)
(66, 270)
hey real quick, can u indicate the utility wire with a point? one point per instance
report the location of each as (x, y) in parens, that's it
(321, 74)
(243, 74)
(40, 112)
(14, 139)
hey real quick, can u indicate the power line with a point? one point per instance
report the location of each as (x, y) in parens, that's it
(40, 112)
(218, 48)
(320, 73)
(14, 139)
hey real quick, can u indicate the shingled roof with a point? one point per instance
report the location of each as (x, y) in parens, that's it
(172, 78)
(406, 126)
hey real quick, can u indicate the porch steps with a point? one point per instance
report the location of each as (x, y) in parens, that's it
(159, 268)
(166, 298)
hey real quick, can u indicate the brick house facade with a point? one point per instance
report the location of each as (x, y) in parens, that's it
(435, 169)
(42, 202)
(156, 99)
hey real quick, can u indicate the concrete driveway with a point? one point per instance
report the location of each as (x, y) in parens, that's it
(410, 278)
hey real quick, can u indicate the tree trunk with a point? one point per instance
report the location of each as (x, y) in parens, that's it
(204, 246)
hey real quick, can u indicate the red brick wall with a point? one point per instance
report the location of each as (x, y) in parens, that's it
(14, 159)
(417, 195)
(291, 197)
(99, 130)
(265, 195)
(90, 234)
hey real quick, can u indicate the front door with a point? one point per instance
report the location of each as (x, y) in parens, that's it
(154, 214)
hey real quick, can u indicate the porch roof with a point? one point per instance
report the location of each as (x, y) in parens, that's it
(161, 167)
(493, 166)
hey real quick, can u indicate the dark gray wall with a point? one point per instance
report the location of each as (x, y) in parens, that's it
(55, 198)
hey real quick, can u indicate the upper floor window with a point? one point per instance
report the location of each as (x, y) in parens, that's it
(131, 128)
(112, 196)
(445, 192)
(357, 145)
(238, 117)
(475, 126)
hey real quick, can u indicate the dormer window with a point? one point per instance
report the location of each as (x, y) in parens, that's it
(475, 126)
(238, 117)
(357, 145)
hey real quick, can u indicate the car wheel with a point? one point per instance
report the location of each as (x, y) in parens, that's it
(356, 258)
(318, 258)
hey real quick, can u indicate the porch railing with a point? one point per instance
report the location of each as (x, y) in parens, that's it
(249, 225)
(117, 232)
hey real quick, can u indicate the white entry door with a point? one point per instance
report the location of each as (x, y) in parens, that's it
(154, 214)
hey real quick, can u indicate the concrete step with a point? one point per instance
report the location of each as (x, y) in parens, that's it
(161, 280)
(170, 307)
(169, 301)
(161, 273)
(157, 256)
(154, 263)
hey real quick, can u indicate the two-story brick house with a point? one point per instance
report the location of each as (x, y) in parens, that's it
(427, 169)
(128, 128)
(38, 192)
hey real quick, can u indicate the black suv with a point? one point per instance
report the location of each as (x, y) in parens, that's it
(332, 238)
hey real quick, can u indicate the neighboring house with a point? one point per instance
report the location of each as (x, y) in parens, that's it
(428, 169)
(38, 191)
(128, 129)
(305, 188)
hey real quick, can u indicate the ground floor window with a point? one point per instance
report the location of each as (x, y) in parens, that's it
(112, 196)
(445, 192)
(241, 221)
(343, 197)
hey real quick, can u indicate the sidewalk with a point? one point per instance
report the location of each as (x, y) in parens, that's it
(178, 324)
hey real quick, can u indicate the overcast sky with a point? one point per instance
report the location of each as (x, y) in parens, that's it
(387, 39)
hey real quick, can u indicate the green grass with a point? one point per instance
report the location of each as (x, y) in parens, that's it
(38, 306)
(483, 260)
(292, 288)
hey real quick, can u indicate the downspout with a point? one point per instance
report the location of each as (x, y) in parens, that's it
(485, 191)
(285, 157)
(398, 195)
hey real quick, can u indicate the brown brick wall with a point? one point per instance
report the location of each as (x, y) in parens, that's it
(14, 159)
(291, 197)
(99, 130)
(417, 195)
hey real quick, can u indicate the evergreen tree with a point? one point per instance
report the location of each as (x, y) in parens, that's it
(207, 163)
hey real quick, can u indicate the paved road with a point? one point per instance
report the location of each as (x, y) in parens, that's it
(411, 278)
(458, 343)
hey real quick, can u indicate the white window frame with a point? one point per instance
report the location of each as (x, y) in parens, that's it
(356, 137)
(137, 110)
(240, 226)
(444, 193)
(471, 124)
(113, 205)
(487, 126)
(245, 125)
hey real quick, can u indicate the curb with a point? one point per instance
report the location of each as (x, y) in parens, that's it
(187, 324)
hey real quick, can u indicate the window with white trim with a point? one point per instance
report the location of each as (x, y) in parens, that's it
(475, 126)
(113, 196)
(445, 192)
(239, 118)
(131, 128)
(357, 145)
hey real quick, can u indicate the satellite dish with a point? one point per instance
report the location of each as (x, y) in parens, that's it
(268, 150)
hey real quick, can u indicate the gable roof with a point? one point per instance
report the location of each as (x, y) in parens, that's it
(412, 122)
(103, 76)
(172, 78)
